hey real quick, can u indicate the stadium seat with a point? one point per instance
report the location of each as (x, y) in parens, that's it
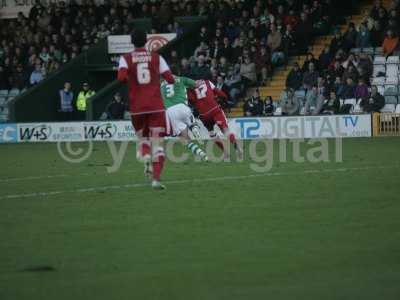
(378, 51)
(14, 92)
(392, 71)
(300, 93)
(389, 108)
(390, 100)
(381, 89)
(368, 50)
(3, 93)
(357, 108)
(379, 60)
(392, 81)
(393, 60)
(378, 81)
(379, 69)
(391, 90)
(356, 50)
(351, 101)
(2, 100)
(397, 111)
(278, 111)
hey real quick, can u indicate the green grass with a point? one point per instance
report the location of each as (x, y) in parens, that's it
(329, 233)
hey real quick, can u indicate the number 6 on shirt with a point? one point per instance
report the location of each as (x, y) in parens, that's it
(143, 73)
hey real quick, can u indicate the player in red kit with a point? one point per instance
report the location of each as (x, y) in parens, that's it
(141, 70)
(211, 114)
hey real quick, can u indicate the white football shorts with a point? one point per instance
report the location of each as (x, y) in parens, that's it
(180, 117)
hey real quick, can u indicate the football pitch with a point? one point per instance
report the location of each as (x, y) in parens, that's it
(326, 230)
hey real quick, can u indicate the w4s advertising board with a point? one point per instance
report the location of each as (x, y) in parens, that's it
(339, 126)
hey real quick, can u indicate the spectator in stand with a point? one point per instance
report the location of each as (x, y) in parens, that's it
(274, 42)
(66, 100)
(310, 59)
(19, 78)
(374, 102)
(289, 103)
(331, 105)
(325, 59)
(363, 39)
(390, 43)
(222, 86)
(361, 89)
(263, 65)
(336, 43)
(36, 75)
(289, 41)
(200, 69)
(233, 81)
(254, 106)
(377, 35)
(303, 32)
(310, 77)
(295, 78)
(248, 72)
(4, 82)
(202, 50)
(352, 73)
(116, 108)
(348, 89)
(314, 101)
(185, 68)
(268, 106)
(226, 49)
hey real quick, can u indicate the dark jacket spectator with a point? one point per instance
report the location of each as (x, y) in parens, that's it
(295, 78)
(310, 77)
(116, 109)
(350, 37)
(19, 78)
(348, 89)
(201, 70)
(363, 39)
(374, 102)
(4, 82)
(331, 105)
(254, 106)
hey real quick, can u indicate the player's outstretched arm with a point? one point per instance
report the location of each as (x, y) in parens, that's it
(165, 71)
(220, 93)
(188, 83)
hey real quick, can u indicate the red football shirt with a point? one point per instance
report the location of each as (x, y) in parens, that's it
(203, 97)
(142, 70)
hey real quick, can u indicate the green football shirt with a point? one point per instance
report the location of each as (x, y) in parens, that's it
(174, 94)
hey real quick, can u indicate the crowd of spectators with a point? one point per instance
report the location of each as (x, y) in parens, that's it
(340, 72)
(33, 47)
(250, 38)
(239, 47)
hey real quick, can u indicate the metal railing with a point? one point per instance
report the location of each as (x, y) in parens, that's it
(386, 124)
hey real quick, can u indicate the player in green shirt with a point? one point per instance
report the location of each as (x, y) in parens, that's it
(179, 113)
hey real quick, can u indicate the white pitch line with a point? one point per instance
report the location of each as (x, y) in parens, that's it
(26, 178)
(188, 181)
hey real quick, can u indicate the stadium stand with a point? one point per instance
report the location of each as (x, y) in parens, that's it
(341, 55)
(244, 44)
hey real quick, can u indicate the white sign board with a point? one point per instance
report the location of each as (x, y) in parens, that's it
(9, 9)
(339, 126)
(120, 44)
